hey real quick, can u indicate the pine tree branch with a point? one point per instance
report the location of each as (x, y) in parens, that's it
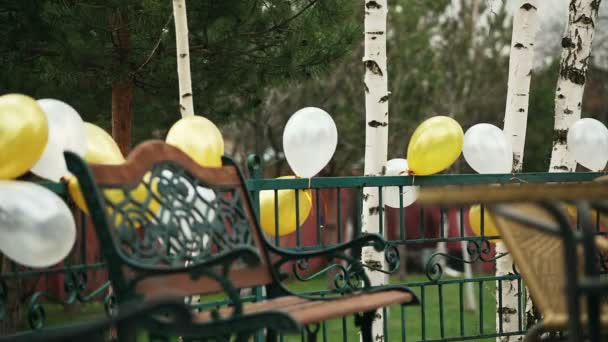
(163, 33)
(273, 139)
(284, 22)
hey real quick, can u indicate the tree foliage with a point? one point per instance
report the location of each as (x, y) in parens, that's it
(256, 62)
(67, 50)
(443, 60)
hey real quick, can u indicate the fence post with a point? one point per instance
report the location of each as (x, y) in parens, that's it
(254, 166)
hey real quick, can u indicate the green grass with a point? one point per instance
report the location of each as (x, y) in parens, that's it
(413, 315)
(455, 322)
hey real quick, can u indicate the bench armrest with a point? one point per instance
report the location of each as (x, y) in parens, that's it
(369, 240)
(350, 275)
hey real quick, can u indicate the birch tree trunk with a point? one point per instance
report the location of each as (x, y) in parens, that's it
(186, 104)
(525, 27)
(575, 60)
(376, 136)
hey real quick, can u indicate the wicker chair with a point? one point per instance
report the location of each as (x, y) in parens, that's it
(558, 263)
(553, 260)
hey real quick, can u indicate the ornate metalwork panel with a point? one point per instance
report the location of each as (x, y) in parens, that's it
(172, 218)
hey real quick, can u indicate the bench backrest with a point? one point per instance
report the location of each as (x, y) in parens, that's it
(160, 218)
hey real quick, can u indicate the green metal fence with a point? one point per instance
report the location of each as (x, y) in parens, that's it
(442, 316)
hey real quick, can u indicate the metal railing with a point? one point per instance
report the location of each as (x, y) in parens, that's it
(444, 313)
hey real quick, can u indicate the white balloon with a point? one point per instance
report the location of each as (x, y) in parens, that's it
(588, 143)
(199, 199)
(205, 197)
(37, 228)
(391, 194)
(203, 201)
(309, 141)
(487, 149)
(397, 167)
(66, 133)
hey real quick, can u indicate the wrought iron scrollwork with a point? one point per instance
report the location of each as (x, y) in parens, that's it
(515, 269)
(393, 258)
(349, 273)
(171, 218)
(36, 315)
(476, 249)
(346, 278)
(75, 285)
(434, 270)
(355, 277)
(302, 265)
(110, 304)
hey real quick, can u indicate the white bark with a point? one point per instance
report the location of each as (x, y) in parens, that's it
(376, 135)
(186, 104)
(575, 60)
(525, 28)
(471, 304)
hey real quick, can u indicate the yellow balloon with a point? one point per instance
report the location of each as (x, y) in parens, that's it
(572, 211)
(286, 209)
(101, 148)
(199, 138)
(489, 227)
(435, 145)
(75, 193)
(115, 196)
(24, 133)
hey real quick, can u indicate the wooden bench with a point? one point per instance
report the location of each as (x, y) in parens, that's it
(169, 228)
(558, 263)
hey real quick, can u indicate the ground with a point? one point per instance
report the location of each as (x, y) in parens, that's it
(333, 330)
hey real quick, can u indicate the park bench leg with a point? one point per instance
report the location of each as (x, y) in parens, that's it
(311, 332)
(126, 331)
(244, 336)
(403, 266)
(364, 321)
(271, 336)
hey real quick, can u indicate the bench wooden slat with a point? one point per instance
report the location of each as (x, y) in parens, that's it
(182, 284)
(349, 305)
(150, 153)
(306, 311)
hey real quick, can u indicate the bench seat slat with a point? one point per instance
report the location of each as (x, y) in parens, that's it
(306, 311)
